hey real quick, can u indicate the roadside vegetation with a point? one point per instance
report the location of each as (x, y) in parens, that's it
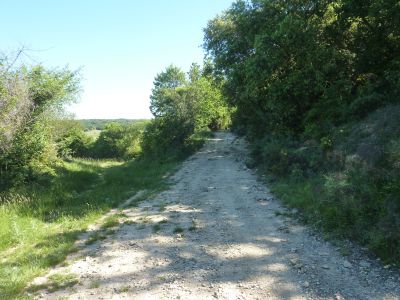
(316, 85)
(57, 177)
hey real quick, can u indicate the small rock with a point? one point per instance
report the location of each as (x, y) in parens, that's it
(306, 284)
(338, 296)
(347, 264)
(326, 267)
(215, 295)
(294, 261)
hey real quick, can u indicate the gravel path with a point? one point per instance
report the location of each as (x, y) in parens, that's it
(218, 233)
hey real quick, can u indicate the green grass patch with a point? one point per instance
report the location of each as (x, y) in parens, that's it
(178, 229)
(97, 236)
(40, 223)
(94, 284)
(156, 228)
(123, 289)
(111, 221)
(56, 282)
(193, 227)
(341, 215)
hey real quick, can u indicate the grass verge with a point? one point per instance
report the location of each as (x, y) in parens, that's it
(39, 224)
(341, 216)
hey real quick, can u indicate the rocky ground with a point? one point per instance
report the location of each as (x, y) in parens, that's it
(218, 233)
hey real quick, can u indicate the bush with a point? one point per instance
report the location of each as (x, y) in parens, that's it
(71, 139)
(353, 187)
(284, 155)
(166, 138)
(29, 99)
(183, 107)
(118, 141)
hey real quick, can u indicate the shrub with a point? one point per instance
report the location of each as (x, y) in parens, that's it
(29, 99)
(118, 141)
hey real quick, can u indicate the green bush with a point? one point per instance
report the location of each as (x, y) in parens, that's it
(284, 155)
(166, 138)
(118, 141)
(353, 188)
(183, 107)
(74, 142)
(31, 98)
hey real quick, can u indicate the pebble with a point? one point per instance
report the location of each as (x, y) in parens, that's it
(306, 284)
(294, 261)
(338, 296)
(326, 267)
(347, 264)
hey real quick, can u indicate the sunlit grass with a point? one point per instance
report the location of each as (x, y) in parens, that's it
(39, 224)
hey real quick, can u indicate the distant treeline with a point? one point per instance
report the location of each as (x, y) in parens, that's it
(100, 124)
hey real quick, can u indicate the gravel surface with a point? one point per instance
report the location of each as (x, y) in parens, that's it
(218, 233)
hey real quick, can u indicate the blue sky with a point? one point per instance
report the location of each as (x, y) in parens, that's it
(119, 44)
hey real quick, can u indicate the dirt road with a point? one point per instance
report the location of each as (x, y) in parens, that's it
(218, 233)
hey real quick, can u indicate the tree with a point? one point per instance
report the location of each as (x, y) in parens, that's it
(306, 65)
(164, 97)
(30, 98)
(182, 107)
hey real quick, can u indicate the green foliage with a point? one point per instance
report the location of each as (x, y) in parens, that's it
(31, 98)
(351, 188)
(305, 66)
(72, 140)
(165, 97)
(183, 107)
(118, 141)
(283, 156)
(303, 77)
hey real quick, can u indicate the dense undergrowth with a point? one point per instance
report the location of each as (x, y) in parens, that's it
(349, 188)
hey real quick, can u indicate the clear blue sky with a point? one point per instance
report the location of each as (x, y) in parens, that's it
(120, 44)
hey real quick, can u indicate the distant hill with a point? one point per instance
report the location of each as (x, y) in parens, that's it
(99, 124)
